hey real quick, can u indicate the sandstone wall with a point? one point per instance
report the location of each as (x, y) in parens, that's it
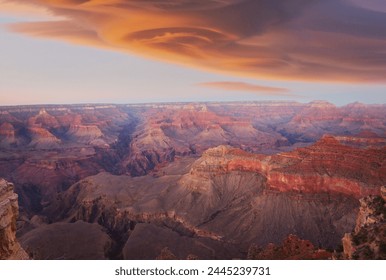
(9, 209)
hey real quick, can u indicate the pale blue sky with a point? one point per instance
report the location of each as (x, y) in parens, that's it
(37, 71)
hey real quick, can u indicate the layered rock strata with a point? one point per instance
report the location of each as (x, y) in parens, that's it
(9, 210)
(368, 239)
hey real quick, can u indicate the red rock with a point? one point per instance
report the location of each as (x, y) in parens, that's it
(42, 138)
(292, 248)
(43, 119)
(84, 133)
(327, 166)
(7, 134)
(7, 130)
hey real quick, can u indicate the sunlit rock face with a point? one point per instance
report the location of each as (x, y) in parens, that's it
(9, 211)
(367, 240)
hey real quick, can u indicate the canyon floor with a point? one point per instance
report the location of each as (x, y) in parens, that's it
(238, 180)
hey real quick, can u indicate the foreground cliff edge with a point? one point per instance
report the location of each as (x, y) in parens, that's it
(368, 239)
(10, 248)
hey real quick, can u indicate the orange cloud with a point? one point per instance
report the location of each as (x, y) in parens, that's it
(16, 9)
(246, 87)
(292, 40)
(65, 30)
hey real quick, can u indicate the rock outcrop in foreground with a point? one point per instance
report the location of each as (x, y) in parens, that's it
(368, 240)
(292, 248)
(9, 209)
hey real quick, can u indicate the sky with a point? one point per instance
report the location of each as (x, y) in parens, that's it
(135, 51)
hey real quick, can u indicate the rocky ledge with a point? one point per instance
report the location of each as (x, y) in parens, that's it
(368, 239)
(9, 209)
(325, 167)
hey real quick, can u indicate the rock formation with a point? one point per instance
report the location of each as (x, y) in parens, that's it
(7, 135)
(42, 138)
(368, 239)
(149, 241)
(229, 195)
(324, 167)
(83, 133)
(67, 241)
(166, 254)
(9, 210)
(292, 248)
(224, 174)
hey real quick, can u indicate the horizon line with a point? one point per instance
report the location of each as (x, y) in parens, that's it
(85, 104)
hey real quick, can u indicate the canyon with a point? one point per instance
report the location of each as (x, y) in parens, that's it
(191, 180)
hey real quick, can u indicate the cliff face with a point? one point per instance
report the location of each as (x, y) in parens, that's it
(69, 241)
(292, 248)
(149, 241)
(83, 133)
(327, 166)
(231, 195)
(189, 130)
(368, 239)
(9, 246)
(7, 134)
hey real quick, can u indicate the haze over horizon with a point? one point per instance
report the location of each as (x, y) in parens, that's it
(68, 52)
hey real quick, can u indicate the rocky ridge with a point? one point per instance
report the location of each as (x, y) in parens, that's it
(67, 241)
(368, 239)
(326, 166)
(9, 246)
(292, 248)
